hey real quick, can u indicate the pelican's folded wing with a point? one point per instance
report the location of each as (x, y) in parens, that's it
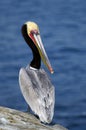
(27, 89)
(38, 92)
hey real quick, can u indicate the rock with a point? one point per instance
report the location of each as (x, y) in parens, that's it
(11, 119)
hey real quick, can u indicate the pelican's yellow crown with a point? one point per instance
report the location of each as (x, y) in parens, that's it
(31, 26)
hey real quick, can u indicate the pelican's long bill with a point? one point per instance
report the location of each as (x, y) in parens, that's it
(35, 36)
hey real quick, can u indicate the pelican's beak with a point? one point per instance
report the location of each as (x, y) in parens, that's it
(36, 38)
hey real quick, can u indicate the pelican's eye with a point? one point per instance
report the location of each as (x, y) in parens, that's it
(34, 32)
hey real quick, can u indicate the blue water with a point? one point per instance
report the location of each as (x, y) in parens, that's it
(63, 29)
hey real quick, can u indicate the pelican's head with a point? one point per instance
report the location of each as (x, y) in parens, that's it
(30, 31)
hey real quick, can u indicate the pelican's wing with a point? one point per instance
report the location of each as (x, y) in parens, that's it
(27, 89)
(38, 93)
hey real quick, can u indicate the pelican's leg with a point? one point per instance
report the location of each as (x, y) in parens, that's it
(36, 116)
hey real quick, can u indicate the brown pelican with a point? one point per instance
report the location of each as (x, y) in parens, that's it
(35, 85)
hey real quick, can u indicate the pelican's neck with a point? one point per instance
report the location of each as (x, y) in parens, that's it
(36, 62)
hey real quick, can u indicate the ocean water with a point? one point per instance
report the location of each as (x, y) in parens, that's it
(62, 25)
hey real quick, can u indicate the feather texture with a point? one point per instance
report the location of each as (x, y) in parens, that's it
(38, 92)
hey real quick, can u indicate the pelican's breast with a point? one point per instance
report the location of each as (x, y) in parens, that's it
(38, 92)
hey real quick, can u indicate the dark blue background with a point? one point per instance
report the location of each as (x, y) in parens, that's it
(63, 29)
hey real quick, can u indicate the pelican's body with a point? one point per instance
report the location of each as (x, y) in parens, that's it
(38, 92)
(35, 85)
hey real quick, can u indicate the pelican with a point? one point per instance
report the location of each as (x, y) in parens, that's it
(36, 87)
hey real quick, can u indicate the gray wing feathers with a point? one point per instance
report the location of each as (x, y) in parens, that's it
(27, 89)
(38, 92)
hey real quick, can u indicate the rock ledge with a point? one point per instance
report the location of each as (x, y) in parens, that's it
(11, 119)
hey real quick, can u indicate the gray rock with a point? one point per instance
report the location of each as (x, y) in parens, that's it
(11, 119)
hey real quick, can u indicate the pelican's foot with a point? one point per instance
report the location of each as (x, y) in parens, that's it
(36, 116)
